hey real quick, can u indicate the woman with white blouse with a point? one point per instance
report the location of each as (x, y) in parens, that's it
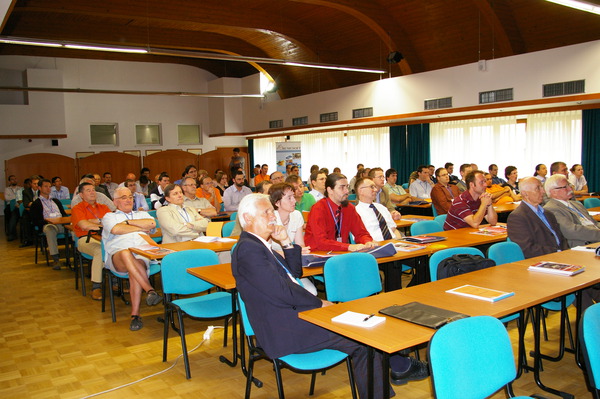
(540, 172)
(284, 202)
(178, 222)
(577, 180)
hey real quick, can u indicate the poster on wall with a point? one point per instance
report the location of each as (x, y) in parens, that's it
(288, 154)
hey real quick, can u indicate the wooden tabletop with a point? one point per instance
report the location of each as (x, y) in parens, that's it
(59, 220)
(506, 208)
(531, 288)
(183, 246)
(408, 220)
(596, 209)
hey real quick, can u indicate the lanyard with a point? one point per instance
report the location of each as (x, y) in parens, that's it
(183, 214)
(296, 279)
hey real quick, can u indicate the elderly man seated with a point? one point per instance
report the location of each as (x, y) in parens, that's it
(267, 282)
(122, 230)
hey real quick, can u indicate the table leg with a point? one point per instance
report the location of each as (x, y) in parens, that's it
(522, 356)
(235, 355)
(421, 268)
(537, 358)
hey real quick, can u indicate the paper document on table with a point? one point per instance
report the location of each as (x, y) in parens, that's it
(213, 239)
(584, 248)
(563, 269)
(358, 319)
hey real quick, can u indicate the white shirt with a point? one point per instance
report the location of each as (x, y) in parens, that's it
(316, 194)
(296, 222)
(420, 189)
(232, 197)
(10, 193)
(114, 243)
(370, 221)
(577, 183)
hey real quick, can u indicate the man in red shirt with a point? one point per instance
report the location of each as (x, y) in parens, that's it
(332, 219)
(87, 216)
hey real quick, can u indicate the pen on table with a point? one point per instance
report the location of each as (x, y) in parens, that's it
(368, 317)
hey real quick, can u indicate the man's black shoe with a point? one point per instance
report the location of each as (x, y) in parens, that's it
(417, 371)
(26, 244)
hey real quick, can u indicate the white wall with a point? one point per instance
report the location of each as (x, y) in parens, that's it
(71, 114)
(525, 73)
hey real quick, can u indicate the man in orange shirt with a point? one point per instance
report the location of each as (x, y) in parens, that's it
(87, 216)
(500, 195)
(208, 190)
(262, 175)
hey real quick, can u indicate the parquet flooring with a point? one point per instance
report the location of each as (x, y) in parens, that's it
(54, 343)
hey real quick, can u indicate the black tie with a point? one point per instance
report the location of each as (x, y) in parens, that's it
(338, 226)
(382, 224)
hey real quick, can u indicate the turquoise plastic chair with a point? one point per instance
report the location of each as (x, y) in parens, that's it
(425, 227)
(351, 276)
(228, 228)
(591, 203)
(439, 256)
(233, 216)
(441, 219)
(405, 186)
(149, 202)
(153, 214)
(80, 257)
(66, 203)
(471, 358)
(312, 362)
(590, 345)
(177, 281)
(433, 210)
(351, 197)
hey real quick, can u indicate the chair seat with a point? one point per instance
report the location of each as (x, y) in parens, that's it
(154, 268)
(214, 305)
(315, 360)
(555, 305)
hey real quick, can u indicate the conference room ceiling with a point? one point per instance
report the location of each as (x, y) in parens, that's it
(429, 34)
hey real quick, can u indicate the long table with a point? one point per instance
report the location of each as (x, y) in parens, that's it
(531, 289)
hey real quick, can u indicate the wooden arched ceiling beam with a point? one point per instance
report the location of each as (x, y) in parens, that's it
(499, 17)
(377, 19)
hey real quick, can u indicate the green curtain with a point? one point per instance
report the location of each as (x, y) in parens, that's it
(409, 148)
(589, 148)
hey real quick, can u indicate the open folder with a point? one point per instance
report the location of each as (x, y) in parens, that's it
(423, 315)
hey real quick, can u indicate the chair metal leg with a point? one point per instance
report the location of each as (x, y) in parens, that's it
(112, 297)
(186, 360)
(166, 331)
(278, 378)
(351, 377)
(313, 379)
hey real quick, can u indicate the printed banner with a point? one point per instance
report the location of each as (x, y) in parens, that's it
(288, 154)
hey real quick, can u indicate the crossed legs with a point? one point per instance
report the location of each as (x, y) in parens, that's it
(124, 261)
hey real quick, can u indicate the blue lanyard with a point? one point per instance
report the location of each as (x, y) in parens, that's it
(183, 214)
(338, 227)
(288, 272)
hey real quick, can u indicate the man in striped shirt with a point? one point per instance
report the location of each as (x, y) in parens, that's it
(472, 206)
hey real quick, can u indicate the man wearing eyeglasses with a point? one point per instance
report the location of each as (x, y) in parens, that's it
(123, 229)
(377, 218)
(575, 222)
(536, 231)
(191, 199)
(383, 196)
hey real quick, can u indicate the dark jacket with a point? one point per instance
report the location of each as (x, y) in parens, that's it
(37, 212)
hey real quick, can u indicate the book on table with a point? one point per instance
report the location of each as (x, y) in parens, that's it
(424, 239)
(154, 249)
(405, 247)
(563, 269)
(485, 294)
(491, 231)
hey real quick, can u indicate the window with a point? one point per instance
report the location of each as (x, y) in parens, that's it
(148, 135)
(545, 138)
(104, 134)
(189, 134)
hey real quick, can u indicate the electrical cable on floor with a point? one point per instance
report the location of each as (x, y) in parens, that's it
(206, 336)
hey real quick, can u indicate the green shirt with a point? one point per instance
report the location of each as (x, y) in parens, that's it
(308, 200)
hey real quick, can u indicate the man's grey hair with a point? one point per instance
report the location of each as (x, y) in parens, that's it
(554, 181)
(248, 206)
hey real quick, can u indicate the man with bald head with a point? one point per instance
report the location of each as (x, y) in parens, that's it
(537, 232)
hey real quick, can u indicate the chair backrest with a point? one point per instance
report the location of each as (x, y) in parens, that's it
(351, 276)
(153, 214)
(149, 202)
(425, 227)
(215, 229)
(591, 203)
(590, 343)
(441, 219)
(233, 216)
(351, 197)
(405, 186)
(228, 228)
(244, 316)
(439, 256)
(505, 252)
(176, 279)
(433, 210)
(66, 203)
(471, 358)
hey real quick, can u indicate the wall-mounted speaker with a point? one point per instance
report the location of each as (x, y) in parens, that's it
(54, 143)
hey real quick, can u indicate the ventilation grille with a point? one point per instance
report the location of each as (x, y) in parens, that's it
(276, 124)
(438, 103)
(303, 120)
(362, 112)
(495, 96)
(329, 117)
(564, 88)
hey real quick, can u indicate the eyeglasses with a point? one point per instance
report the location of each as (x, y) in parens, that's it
(560, 188)
(125, 197)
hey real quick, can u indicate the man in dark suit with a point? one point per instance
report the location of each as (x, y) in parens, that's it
(30, 194)
(536, 231)
(267, 282)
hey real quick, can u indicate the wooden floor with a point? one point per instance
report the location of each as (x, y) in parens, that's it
(57, 344)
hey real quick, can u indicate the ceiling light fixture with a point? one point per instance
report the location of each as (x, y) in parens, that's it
(183, 53)
(579, 5)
